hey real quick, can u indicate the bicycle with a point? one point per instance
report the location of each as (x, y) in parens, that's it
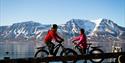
(94, 50)
(42, 52)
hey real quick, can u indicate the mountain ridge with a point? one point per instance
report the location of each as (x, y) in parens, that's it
(24, 30)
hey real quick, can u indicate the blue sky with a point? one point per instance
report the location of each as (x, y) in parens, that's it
(60, 11)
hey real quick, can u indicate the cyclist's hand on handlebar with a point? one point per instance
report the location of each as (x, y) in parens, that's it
(73, 41)
(62, 40)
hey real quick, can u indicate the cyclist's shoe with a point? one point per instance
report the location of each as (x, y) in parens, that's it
(50, 55)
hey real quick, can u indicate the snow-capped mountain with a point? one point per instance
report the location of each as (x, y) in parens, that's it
(74, 25)
(22, 31)
(106, 26)
(101, 28)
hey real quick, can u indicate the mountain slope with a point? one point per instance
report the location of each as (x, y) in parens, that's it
(99, 30)
(108, 27)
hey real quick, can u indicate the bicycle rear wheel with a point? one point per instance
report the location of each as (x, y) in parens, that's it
(69, 52)
(41, 54)
(96, 51)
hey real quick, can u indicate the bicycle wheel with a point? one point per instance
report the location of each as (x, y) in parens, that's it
(41, 54)
(96, 51)
(69, 52)
(120, 59)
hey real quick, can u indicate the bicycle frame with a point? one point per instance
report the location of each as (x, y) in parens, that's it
(79, 48)
(87, 49)
(56, 48)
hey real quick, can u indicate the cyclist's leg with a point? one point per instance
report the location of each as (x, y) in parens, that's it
(84, 50)
(50, 47)
(81, 51)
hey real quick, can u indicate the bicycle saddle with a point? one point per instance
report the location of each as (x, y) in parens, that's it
(89, 43)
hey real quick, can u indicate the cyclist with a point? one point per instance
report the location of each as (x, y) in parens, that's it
(81, 39)
(50, 36)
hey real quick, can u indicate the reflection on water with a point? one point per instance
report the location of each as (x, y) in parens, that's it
(17, 49)
(27, 49)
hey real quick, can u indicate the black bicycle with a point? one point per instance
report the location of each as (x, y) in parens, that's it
(94, 50)
(43, 52)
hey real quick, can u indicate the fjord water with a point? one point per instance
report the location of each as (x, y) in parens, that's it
(28, 49)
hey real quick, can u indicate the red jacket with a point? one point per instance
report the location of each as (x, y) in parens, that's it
(51, 35)
(82, 40)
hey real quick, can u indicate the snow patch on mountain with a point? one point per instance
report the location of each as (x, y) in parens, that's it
(97, 22)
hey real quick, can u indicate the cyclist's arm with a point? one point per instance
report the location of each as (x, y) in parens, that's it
(54, 36)
(82, 40)
(76, 38)
(59, 37)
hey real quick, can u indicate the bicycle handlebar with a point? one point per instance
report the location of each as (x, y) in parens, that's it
(76, 43)
(89, 43)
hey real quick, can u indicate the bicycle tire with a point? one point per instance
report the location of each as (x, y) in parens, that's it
(67, 52)
(42, 51)
(120, 59)
(96, 51)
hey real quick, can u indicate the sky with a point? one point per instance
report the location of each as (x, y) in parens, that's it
(60, 11)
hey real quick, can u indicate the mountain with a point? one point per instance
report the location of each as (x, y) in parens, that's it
(98, 30)
(108, 27)
(74, 25)
(21, 31)
(108, 30)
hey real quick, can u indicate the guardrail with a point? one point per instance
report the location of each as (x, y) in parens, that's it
(65, 58)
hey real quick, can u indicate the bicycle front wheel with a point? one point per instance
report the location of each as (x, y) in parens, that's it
(96, 51)
(41, 54)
